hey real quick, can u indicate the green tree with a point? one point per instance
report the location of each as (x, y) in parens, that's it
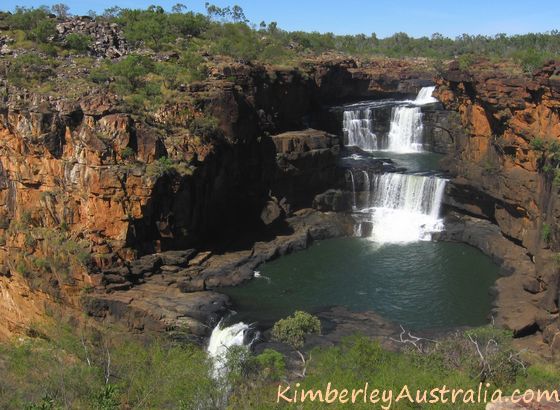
(78, 42)
(293, 331)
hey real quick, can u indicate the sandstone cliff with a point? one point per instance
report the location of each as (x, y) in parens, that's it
(504, 160)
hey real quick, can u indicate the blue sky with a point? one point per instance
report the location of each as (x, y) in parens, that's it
(384, 17)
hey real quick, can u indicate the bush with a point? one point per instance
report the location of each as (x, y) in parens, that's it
(546, 233)
(530, 59)
(103, 371)
(78, 42)
(154, 27)
(206, 127)
(271, 364)
(30, 69)
(128, 153)
(538, 144)
(466, 61)
(160, 167)
(295, 328)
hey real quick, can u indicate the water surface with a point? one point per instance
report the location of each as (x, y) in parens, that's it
(422, 285)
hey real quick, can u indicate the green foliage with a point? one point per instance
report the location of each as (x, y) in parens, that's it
(160, 167)
(61, 369)
(78, 42)
(466, 61)
(270, 364)
(130, 72)
(538, 144)
(293, 329)
(35, 22)
(546, 233)
(154, 27)
(530, 59)
(234, 39)
(128, 153)
(29, 69)
(103, 371)
(52, 255)
(206, 127)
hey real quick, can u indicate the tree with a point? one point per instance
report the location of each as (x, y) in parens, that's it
(78, 42)
(293, 331)
(61, 10)
(178, 8)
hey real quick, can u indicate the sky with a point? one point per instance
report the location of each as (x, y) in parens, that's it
(383, 17)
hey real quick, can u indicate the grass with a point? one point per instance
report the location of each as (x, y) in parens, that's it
(63, 366)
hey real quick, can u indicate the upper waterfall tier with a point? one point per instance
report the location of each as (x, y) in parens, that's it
(405, 129)
(425, 96)
(405, 134)
(357, 129)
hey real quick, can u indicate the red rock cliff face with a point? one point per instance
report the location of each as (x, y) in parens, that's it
(501, 175)
(89, 170)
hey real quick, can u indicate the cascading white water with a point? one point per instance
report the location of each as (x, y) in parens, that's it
(367, 188)
(425, 96)
(353, 190)
(221, 340)
(406, 207)
(405, 133)
(356, 126)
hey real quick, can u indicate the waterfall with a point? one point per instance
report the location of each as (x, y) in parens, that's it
(358, 230)
(405, 129)
(353, 190)
(356, 126)
(425, 96)
(221, 340)
(367, 188)
(405, 134)
(406, 207)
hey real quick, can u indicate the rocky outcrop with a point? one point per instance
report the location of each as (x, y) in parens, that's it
(106, 39)
(500, 175)
(307, 164)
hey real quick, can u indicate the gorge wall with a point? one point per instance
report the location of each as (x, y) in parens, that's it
(90, 184)
(505, 129)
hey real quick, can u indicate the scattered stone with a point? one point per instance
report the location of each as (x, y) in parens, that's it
(169, 268)
(107, 40)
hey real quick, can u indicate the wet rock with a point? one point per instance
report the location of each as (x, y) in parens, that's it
(332, 200)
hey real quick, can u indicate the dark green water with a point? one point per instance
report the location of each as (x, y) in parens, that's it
(413, 162)
(422, 285)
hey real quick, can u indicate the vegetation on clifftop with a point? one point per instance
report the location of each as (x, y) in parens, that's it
(225, 31)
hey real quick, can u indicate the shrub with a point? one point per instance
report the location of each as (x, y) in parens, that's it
(538, 144)
(270, 364)
(466, 61)
(28, 69)
(546, 233)
(530, 59)
(128, 153)
(295, 328)
(205, 126)
(78, 42)
(128, 74)
(160, 167)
